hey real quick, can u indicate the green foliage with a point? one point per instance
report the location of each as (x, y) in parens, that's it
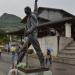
(30, 51)
(4, 38)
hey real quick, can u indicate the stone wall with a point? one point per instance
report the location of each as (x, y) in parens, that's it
(48, 42)
(52, 42)
(63, 42)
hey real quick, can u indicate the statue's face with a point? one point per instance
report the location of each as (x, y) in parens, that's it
(36, 0)
(27, 11)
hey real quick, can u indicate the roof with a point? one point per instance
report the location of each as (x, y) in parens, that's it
(24, 20)
(54, 9)
(67, 19)
(40, 9)
(48, 23)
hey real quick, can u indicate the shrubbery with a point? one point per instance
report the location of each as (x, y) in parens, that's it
(30, 51)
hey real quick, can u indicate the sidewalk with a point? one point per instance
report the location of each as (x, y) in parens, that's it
(1, 73)
(56, 68)
(62, 69)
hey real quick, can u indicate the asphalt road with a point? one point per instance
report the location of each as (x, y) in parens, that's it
(5, 63)
(56, 68)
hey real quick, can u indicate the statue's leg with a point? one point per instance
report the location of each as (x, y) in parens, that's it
(23, 51)
(36, 46)
(50, 59)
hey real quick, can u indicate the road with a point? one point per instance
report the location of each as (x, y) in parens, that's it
(5, 63)
(56, 68)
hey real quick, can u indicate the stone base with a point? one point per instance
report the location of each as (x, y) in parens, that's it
(31, 71)
(36, 71)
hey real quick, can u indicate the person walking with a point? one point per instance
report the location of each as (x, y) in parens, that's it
(49, 56)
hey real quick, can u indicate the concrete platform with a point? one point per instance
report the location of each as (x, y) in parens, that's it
(33, 70)
(36, 71)
(28, 71)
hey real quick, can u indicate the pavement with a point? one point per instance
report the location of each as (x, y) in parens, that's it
(56, 68)
(63, 69)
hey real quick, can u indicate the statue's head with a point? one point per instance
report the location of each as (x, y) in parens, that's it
(27, 10)
(36, 0)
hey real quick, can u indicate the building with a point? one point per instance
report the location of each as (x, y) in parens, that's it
(52, 23)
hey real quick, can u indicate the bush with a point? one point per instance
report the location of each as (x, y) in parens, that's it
(30, 51)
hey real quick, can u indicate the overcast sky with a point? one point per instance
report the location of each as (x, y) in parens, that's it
(16, 7)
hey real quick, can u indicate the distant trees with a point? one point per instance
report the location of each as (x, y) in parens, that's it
(4, 38)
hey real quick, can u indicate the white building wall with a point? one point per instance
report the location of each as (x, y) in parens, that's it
(48, 42)
(51, 15)
(51, 42)
(67, 29)
(64, 41)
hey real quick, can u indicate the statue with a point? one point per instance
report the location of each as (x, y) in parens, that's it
(31, 34)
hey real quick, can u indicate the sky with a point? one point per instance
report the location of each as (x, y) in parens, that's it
(16, 7)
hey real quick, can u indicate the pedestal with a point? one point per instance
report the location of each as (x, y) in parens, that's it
(30, 71)
(36, 71)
